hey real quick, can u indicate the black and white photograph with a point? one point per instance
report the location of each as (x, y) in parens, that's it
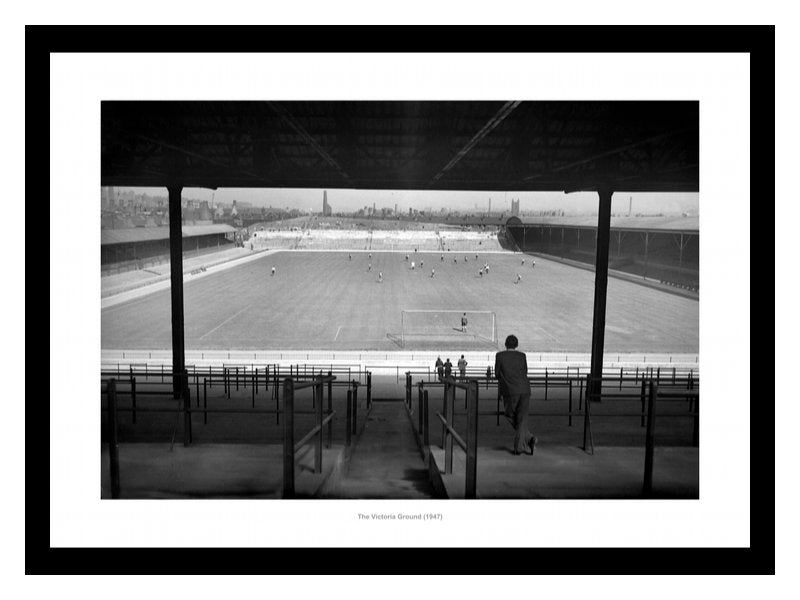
(400, 299)
(402, 292)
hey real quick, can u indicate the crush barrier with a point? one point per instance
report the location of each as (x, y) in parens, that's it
(649, 392)
(115, 388)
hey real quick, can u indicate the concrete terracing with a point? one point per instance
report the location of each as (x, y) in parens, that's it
(240, 455)
(385, 462)
(429, 240)
(209, 471)
(144, 280)
(567, 472)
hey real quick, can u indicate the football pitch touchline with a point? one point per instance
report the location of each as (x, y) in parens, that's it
(226, 321)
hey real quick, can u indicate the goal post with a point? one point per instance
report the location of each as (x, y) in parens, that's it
(444, 326)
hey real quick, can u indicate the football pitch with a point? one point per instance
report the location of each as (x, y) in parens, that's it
(328, 301)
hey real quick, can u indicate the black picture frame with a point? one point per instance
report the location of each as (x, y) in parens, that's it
(759, 558)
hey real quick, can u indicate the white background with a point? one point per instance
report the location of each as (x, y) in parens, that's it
(79, 82)
(719, 519)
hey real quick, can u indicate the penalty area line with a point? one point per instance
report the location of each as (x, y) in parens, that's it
(225, 321)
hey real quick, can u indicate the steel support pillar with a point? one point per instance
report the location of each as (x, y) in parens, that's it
(600, 292)
(176, 285)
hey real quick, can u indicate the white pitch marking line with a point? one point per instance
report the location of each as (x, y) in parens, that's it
(337, 333)
(225, 321)
(547, 333)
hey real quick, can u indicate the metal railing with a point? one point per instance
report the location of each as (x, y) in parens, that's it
(670, 389)
(690, 394)
(237, 373)
(450, 435)
(290, 448)
(230, 378)
(577, 390)
(135, 392)
(287, 410)
(113, 445)
(351, 426)
(653, 396)
(543, 376)
(112, 426)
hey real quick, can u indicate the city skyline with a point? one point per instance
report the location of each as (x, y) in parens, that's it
(348, 200)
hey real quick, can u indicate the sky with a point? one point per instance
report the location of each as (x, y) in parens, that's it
(351, 200)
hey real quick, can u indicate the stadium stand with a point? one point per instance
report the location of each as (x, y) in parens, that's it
(379, 240)
(470, 241)
(395, 151)
(140, 247)
(127, 280)
(647, 247)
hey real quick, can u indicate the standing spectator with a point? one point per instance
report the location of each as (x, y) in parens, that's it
(448, 369)
(511, 370)
(462, 367)
(439, 367)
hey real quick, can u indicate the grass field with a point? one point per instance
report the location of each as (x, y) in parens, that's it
(324, 301)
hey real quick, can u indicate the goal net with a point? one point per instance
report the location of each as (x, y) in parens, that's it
(426, 328)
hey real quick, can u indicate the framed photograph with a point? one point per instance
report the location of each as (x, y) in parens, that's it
(402, 298)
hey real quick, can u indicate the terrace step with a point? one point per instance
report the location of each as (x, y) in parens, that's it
(386, 463)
